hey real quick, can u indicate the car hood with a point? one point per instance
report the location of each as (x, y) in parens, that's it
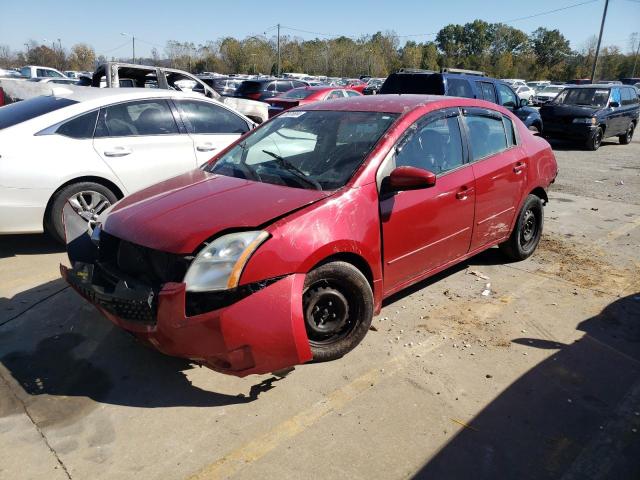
(559, 110)
(179, 214)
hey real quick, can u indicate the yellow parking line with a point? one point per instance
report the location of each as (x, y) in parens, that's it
(262, 445)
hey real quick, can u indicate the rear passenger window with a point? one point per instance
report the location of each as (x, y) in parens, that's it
(486, 135)
(436, 146)
(628, 96)
(487, 91)
(147, 117)
(459, 88)
(79, 127)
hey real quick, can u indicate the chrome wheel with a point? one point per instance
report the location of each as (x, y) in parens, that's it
(89, 204)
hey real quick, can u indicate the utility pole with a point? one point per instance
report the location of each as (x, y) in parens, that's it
(635, 61)
(133, 45)
(278, 69)
(595, 60)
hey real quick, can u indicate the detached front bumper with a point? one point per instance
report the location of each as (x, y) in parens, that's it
(261, 333)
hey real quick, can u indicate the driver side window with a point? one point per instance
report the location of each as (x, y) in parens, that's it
(507, 98)
(435, 146)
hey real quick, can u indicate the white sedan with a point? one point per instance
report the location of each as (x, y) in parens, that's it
(525, 93)
(95, 146)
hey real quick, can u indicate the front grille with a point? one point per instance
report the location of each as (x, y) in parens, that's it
(144, 264)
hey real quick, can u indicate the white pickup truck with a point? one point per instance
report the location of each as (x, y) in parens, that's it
(126, 75)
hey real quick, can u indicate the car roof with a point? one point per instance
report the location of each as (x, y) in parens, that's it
(593, 85)
(83, 94)
(391, 103)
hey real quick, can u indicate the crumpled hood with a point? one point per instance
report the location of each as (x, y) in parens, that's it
(179, 214)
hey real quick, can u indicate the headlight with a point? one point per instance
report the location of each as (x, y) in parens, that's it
(590, 120)
(218, 265)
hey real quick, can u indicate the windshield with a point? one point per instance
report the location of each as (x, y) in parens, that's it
(552, 89)
(306, 149)
(298, 93)
(19, 112)
(592, 97)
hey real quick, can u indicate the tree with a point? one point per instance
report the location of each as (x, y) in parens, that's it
(551, 50)
(411, 55)
(429, 56)
(82, 57)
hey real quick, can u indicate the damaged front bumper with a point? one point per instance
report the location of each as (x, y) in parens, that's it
(255, 329)
(262, 333)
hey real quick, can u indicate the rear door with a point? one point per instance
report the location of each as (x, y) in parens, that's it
(427, 228)
(211, 127)
(141, 143)
(500, 169)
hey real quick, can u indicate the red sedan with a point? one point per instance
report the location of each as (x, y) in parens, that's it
(305, 95)
(281, 249)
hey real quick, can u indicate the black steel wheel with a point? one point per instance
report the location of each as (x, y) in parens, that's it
(337, 304)
(628, 135)
(527, 232)
(595, 140)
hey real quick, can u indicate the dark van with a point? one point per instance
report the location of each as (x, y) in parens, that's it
(591, 113)
(462, 83)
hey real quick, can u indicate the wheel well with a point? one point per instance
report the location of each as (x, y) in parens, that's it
(352, 258)
(102, 181)
(540, 193)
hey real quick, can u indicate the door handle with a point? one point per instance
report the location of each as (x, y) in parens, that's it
(519, 167)
(464, 192)
(118, 152)
(205, 147)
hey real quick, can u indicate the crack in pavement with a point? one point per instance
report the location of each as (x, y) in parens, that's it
(35, 424)
(34, 305)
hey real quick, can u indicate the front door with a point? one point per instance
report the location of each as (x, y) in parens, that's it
(141, 143)
(500, 168)
(211, 127)
(427, 228)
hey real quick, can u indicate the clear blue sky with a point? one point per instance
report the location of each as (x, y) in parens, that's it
(100, 23)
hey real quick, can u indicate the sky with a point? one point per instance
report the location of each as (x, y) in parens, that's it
(101, 23)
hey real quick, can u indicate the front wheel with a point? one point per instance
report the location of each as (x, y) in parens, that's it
(628, 135)
(527, 232)
(595, 140)
(88, 199)
(337, 303)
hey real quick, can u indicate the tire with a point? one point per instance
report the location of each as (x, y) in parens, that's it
(337, 304)
(595, 140)
(96, 197)
(527, 232)
(628, 136)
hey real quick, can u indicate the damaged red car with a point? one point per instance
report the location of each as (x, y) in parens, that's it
(281, 249)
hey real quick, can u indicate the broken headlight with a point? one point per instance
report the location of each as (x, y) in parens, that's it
(219, 264)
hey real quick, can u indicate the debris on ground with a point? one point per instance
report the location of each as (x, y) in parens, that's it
(373, 328)
(487, 290)
(619, 183)
(460, 422)
(478, 274)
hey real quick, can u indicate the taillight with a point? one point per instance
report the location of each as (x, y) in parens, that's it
(2, 99)
(254, 96)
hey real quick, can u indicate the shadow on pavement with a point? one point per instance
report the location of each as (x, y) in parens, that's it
(35, 244)
(568, 146)
(573, 416)
(63, 350)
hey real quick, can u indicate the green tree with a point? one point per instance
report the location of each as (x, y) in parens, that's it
(82, 57)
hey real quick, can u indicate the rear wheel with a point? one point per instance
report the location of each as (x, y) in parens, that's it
(338, 308)
(628, 135)
(527, 232)
(595, 140)
(88, 199)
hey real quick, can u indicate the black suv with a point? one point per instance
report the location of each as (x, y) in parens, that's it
(266, 88)
(590, 113)
(462, 84)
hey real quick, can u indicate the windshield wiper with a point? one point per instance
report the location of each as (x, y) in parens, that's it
(293, 169)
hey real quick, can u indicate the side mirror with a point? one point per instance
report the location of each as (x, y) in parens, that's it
(410, 178)
(524, 102)
(614, 104)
